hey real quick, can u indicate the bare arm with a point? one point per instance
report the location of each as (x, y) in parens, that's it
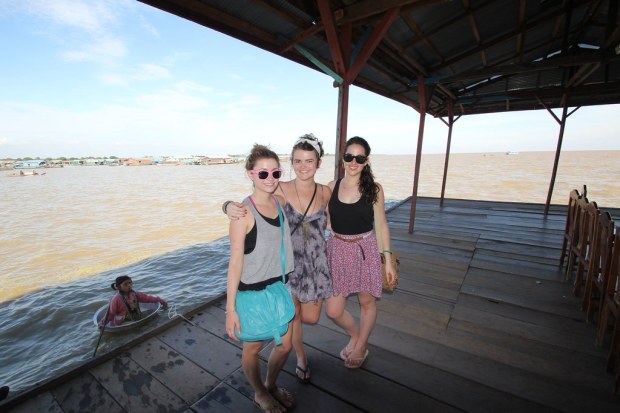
(237, 230)
(382, 231)
(235, 210)
(328, 192)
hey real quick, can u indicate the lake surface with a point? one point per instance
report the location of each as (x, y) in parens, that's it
(66, 235)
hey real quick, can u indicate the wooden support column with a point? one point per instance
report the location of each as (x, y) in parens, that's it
(341, 129)
(448, 145)
(558, 150)
(418, 155)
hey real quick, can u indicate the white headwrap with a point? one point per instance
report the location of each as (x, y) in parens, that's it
(314, 142)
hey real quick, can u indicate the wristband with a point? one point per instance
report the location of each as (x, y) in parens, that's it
(229, 311)
(225, 205)
(388, 251)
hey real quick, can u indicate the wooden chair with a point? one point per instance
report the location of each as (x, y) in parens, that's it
(587, 216)
(600, 261)
(569, 229)
(610, 311)
(589, 225)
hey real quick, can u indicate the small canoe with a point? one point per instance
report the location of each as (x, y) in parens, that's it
(149, 313)
(26, 174)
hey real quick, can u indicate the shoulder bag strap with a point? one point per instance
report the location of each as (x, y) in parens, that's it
(307, 209)
(282, 249)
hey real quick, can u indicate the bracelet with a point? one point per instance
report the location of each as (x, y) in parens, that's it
(229, 311)
(225, 205)
(388, 251)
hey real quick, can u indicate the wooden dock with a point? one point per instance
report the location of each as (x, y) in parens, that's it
(482, 321)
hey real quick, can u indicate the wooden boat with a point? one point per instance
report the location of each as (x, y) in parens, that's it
(149, 312)
(26, 174)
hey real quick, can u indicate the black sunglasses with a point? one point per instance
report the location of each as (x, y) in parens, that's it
(360, 159)
(264, 174)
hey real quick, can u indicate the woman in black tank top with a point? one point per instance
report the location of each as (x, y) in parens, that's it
(359, 231)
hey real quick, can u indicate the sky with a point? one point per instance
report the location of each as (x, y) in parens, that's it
(120, 78)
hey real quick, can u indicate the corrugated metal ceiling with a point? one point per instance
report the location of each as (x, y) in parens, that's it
(485, 56)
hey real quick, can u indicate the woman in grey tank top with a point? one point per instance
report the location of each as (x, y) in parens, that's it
(249, 234)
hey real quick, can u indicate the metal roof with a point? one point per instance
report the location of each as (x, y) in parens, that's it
(484, 55)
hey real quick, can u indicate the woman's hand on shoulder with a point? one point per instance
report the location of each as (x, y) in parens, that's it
(236, 210)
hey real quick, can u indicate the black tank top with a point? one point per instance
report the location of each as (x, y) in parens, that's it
(350, 219)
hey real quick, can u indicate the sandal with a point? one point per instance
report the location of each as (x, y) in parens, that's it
(270, 407)
(303, 375)
(346, 352)
(284, 397)
(355, 362)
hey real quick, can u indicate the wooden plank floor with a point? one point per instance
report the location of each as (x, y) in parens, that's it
(482, 321)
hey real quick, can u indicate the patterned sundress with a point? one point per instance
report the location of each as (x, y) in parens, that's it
(311, 278)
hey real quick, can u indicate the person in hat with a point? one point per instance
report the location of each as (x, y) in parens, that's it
(125, 304)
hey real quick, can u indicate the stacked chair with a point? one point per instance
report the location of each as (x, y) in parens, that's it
(598, 271)
(610, 311)
(569, 230)
(592, 244)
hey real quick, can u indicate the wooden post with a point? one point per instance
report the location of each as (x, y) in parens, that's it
(418, 155)
(558, 150)
(341, 129)
(445, 166)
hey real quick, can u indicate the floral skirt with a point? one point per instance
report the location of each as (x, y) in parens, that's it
(355, 264)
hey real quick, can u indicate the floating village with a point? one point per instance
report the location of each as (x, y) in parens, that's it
(29, 163)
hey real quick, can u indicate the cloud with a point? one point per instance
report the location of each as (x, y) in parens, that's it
(90, 16)
(86, 29)
(104, 49)
(151, 72)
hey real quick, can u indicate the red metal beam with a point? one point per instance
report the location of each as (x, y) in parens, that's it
(448, 145)
(558, 150)
(418, 155)
(371, 44)
(332, 36)
(341, 129)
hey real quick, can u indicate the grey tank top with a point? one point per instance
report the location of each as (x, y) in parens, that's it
(264, 262)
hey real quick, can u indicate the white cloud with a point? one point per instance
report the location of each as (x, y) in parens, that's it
(91, 16)
(105, 49)
(151, 72)
(85, 29)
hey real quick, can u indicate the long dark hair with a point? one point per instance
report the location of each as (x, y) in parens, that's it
(367, 186)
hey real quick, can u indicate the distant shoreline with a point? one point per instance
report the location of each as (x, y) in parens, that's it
(512, 151)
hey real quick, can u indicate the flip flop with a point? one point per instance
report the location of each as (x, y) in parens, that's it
(303, 375)
(346, 352)
(275, 406)
(355, 362)
(284, 397)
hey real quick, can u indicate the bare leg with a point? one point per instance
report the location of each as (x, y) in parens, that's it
(298, 342)
(368, 318)
(335, 309)
(308, 312)
(311, 311)
(278, 357)
(251, 368)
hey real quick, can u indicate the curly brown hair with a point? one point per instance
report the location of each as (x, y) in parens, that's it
(367, 186)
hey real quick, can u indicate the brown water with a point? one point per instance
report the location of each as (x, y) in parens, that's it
(75, 222)
(67, 234)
